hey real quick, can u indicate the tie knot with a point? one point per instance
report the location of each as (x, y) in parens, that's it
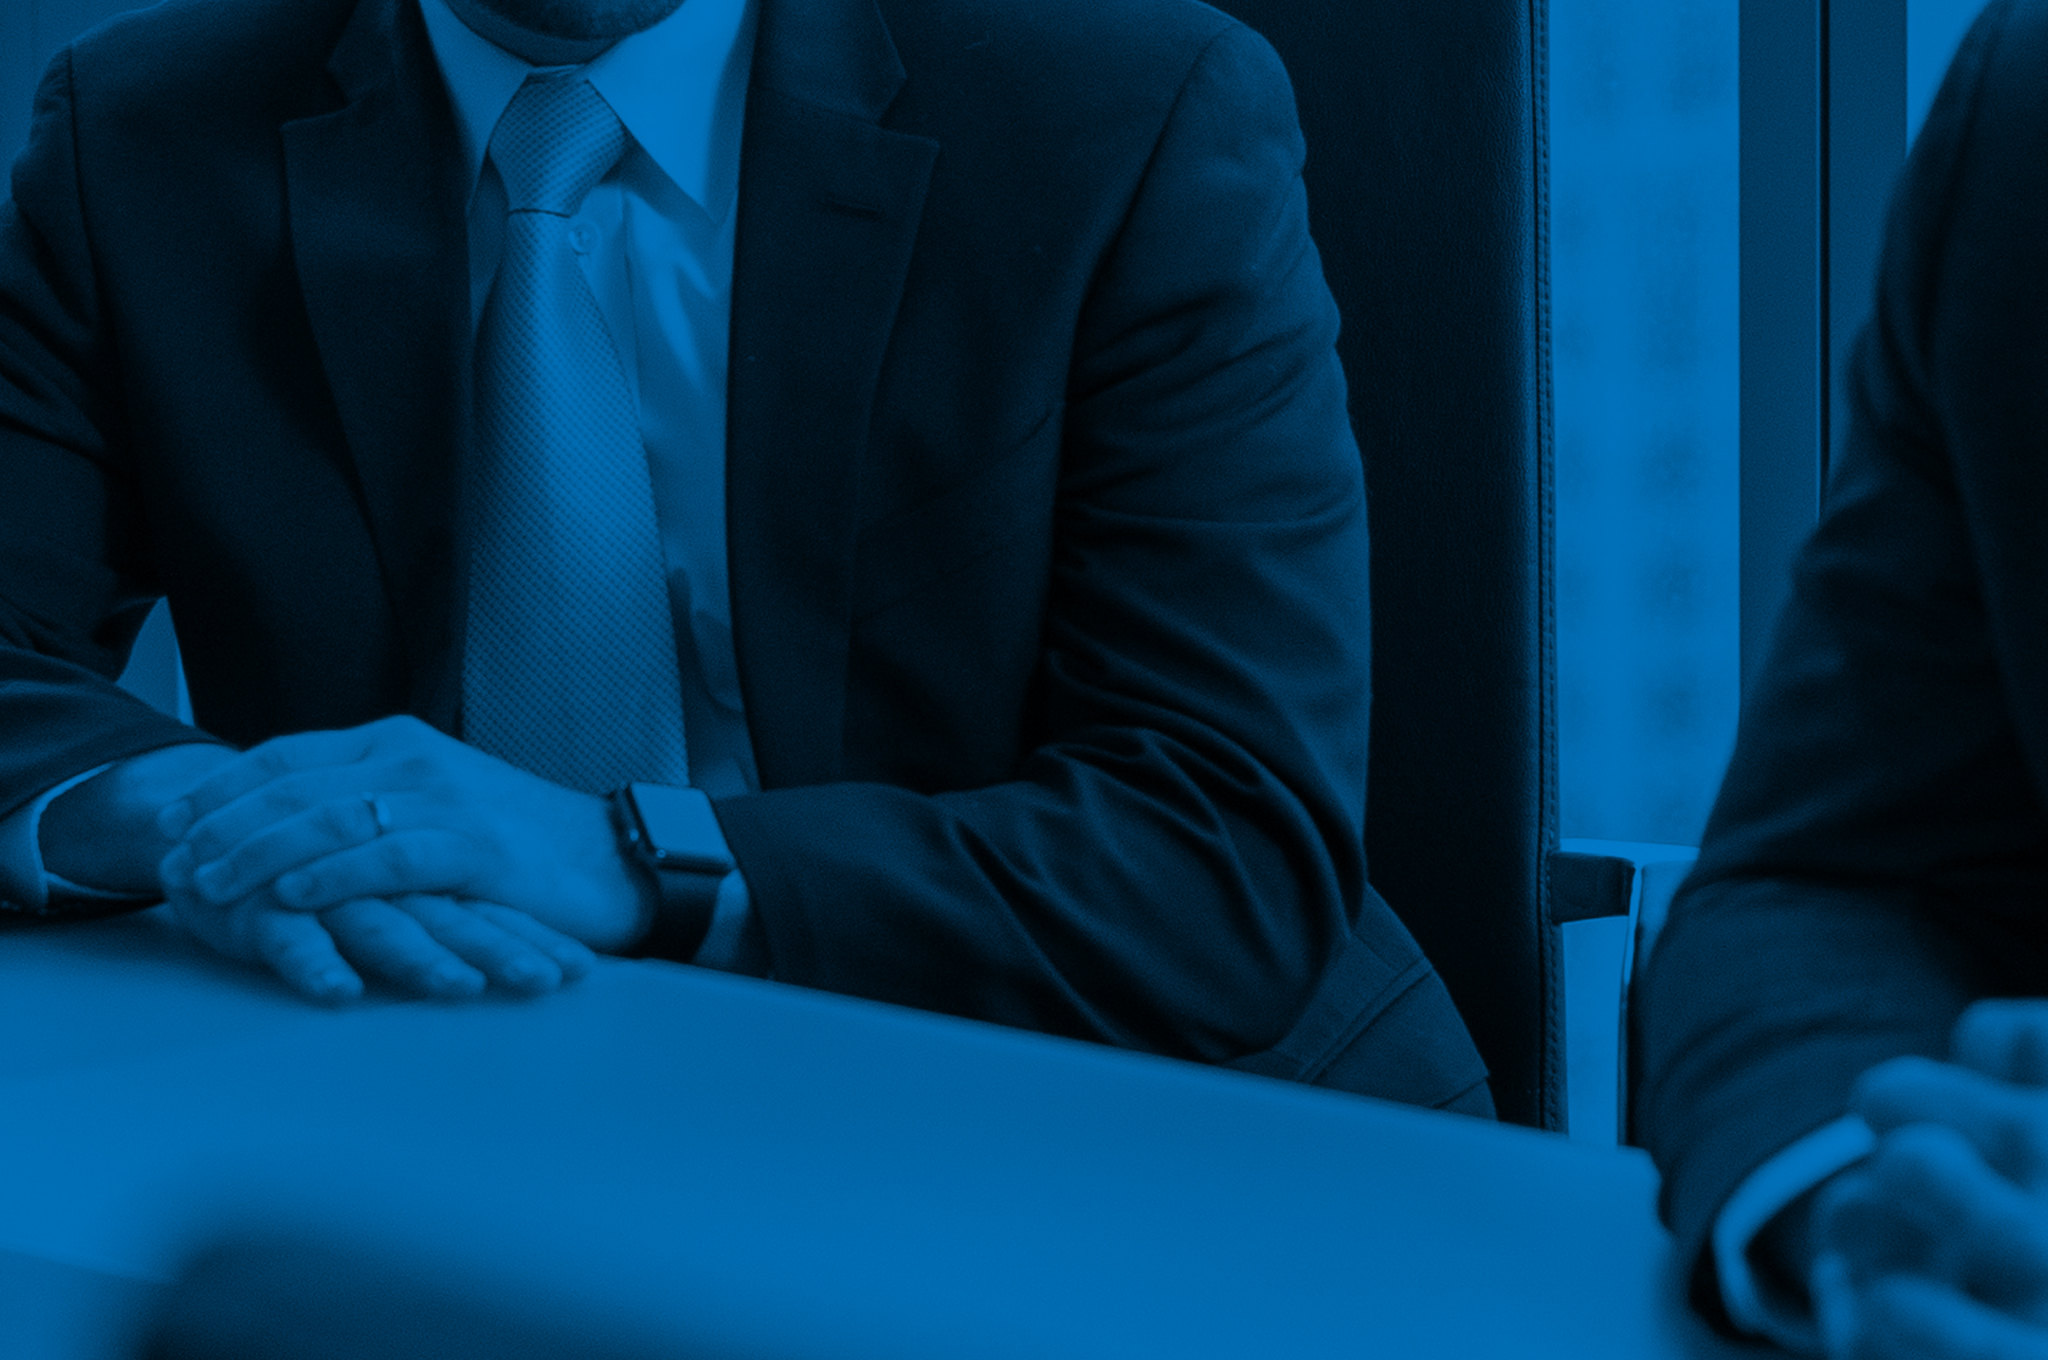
(557, 138)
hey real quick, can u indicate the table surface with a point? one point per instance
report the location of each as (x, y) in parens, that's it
(743, 1167)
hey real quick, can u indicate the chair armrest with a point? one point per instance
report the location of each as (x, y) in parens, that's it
(1608, 899)
(1594, 878)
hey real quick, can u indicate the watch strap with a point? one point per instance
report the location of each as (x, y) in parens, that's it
(684, 904)
(685, 899)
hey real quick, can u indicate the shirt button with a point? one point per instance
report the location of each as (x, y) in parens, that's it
(582, 237)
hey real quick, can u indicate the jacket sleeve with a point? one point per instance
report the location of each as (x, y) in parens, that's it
(1181, 848)
(75, 585)
(1877, 856)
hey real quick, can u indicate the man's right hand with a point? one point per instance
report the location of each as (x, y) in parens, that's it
(103, 834)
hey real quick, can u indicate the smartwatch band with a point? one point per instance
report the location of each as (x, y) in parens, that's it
(686, 877)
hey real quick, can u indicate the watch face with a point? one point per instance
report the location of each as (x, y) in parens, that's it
(679, 829)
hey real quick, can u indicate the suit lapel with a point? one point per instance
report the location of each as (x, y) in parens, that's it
(377, 222)
(829, 206)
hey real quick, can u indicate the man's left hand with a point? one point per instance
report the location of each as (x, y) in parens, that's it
(1937, 1245)
(303, 816)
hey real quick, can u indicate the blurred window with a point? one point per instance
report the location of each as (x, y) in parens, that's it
(1645, 164)
(1644, 161)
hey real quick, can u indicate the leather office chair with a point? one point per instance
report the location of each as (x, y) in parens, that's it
(1428, 198)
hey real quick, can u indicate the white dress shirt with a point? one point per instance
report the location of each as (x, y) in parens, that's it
(656, 241)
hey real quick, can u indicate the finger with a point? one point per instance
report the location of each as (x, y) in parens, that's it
(2007, 1123)
(221, 929)
(258, 766)
(425, 860)
(386, 944)
(294, 947)
(1906, 1318)
(299, 950)
(2007, 1039)
(1994, 1230)
(506, 960)
(279, 827)
(220, 830)
(574, 958)
(1873, 1233)
(1833, 1292)
(1913, 1090)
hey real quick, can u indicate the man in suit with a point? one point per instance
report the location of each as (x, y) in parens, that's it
(1851, 1123)
(995, 462)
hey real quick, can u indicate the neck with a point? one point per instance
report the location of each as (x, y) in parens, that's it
(537, 49)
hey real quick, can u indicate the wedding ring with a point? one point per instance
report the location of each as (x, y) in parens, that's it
(380, 812)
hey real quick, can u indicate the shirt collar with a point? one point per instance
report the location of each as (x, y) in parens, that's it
(679, 88)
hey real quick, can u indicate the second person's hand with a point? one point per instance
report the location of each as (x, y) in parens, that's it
(1937, 1245)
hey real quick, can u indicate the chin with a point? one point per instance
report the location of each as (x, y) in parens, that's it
(583, 20)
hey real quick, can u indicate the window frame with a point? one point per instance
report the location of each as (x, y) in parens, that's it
(1823, 135)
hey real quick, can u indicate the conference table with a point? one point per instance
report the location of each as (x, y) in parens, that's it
(736, 1167)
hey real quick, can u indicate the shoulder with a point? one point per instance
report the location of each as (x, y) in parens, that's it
(1080, 36)
(2018, 28)
(196, 60)
(1995, 84)
(1100, 60)
(257, 36)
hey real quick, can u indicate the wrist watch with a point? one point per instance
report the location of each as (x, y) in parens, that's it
(672, 834)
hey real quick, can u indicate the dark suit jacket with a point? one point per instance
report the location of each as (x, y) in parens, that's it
(1046, 526)
(1878, 857)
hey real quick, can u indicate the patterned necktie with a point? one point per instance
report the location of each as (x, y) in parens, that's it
(571, 666)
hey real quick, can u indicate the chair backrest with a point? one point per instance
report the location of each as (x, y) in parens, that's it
(1427, 197)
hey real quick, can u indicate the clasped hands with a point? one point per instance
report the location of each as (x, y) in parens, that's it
(1936, 1246)
(394, 851)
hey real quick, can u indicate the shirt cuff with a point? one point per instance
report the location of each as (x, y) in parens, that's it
(721, 946)
(1752, 1305)
(23, 879)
